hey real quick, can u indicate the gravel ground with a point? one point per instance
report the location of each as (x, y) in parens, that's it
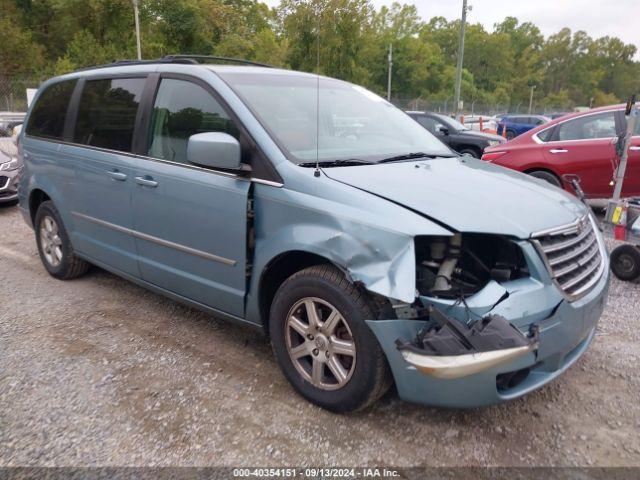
(97, 371)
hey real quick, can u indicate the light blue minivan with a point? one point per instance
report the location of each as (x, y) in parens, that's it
(312, 209)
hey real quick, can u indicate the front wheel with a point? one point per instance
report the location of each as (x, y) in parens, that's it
(510, 135)
(470, 151)
(322, 343)
(625, 262)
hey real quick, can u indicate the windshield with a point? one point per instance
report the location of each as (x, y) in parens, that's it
(452, 123)
(354, 123)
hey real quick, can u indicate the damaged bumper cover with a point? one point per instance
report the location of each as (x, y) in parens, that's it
(449, 349)
(475, 378)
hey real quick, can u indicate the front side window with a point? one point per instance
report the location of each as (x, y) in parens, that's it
(50, 111)
(602, 125)
(325, 119)
(182, 109)
(107, 113)
(545, 135)
(428, 123)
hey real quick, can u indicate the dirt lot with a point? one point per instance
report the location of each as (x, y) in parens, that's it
(97, 371)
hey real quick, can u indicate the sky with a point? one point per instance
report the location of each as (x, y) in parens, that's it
(597, 17)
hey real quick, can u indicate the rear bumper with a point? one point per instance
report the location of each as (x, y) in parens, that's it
(565, 331)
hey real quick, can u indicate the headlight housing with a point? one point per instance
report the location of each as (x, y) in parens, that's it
(493, 143)
(10, 165)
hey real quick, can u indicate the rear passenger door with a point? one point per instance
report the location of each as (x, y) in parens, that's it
(585, 146)
(190, 222)
(100, 151)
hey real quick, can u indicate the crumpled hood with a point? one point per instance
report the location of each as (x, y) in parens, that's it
(467, 195)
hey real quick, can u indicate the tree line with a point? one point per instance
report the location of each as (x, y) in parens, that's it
(347, 39)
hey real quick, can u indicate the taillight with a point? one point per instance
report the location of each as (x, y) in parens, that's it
(491, 156)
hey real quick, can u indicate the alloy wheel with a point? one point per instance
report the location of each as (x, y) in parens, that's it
(50, 241)
(320, 343)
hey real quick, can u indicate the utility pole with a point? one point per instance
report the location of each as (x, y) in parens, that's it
(533, 87)
(137, 19)
(463, 23)
(390, 60)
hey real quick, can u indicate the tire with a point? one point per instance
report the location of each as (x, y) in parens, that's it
(365, 375)
(547, 177)
(625, 262)
(54, 246)
(470, 151)
(510, 135)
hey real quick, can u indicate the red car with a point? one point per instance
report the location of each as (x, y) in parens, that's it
(580, 143)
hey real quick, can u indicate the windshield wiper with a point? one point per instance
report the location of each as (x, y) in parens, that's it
(348, 162)
(412, 156)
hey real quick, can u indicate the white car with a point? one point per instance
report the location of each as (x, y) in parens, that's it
(489, 124)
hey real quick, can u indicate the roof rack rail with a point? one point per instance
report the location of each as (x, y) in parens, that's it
(118, 63)
(186, 59)
(196, 58)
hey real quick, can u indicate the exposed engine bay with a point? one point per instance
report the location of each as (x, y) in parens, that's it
(461, 265)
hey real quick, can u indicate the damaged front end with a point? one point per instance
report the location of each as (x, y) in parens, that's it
(488, 324)
(451, 270)
(446, 348)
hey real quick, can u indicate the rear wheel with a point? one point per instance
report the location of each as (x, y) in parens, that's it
(625, 262)
(547, 177)
(322, 343)
(510, 135)
(54, 246)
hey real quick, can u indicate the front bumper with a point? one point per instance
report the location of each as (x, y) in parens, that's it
(565, 331)
(8, 186)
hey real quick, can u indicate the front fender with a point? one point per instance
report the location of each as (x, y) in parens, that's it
(372, 241)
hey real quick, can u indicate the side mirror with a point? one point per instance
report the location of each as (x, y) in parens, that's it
(443, 130)
(214, 149)
(16, 133)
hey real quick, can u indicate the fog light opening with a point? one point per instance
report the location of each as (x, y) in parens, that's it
(509, 380)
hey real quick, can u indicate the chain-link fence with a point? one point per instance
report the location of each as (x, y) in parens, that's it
(446, 107)
(13, 93)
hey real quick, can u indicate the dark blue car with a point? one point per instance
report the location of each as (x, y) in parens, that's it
(518, 124)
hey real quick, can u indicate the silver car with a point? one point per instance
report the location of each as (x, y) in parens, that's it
(8, 171)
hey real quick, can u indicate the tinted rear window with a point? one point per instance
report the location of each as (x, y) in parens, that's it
(107, 113)
(50, 111)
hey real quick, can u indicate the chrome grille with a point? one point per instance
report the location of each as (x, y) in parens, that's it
(572, 255)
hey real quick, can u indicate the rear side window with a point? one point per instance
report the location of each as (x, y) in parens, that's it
(183, 109)
(50, 111)
(602, 125)
(107, 113)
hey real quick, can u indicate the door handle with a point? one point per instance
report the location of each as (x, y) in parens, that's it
(558, 150)
(634, 148)
(146, 182)
(116, 175)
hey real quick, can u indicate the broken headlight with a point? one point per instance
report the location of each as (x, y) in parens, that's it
(462, 264)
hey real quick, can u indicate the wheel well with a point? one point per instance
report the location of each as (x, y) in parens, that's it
(277, 271)
(474, 148)
(35, 199)
(546, 170)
